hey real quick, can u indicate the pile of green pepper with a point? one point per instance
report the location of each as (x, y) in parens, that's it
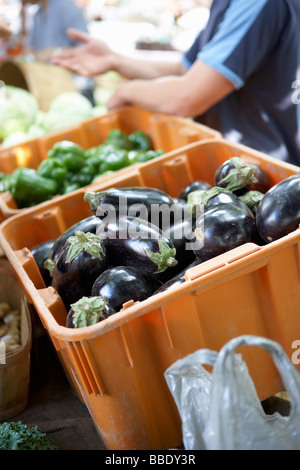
(69, 167)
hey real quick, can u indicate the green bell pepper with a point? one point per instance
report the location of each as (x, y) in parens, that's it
(68, 187)
(114, 161)
(54, 169)
(83, 177)
(140, 140)
(28, 188)
(117, 138)
(70, 154)
(139, 156)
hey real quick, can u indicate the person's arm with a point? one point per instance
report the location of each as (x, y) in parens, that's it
(188, 95)
(94, 57)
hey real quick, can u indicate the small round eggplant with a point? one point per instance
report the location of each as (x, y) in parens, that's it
(79, 263)
(278, 213)
(89, 224)
(134, 201)
(40, 253)
(222, 228)
(238, 176)
(88, 311)
(205, 200)
(198, 185)
(135, 242)
(121, 284)
(181, 234)
(176, 280)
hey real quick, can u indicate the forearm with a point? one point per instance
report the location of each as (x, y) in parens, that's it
(188, 95)
(136, 68)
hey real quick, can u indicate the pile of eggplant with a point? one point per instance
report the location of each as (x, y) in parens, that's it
(126, 251)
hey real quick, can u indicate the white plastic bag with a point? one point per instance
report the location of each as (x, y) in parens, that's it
(220, 410)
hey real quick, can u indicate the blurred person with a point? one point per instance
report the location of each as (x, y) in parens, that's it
(237, 77)
(50, 23)
(49, 31)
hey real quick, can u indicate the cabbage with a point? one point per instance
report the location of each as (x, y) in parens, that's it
(15, 139)
(60, 119)
(18, 111)
(99, 111)
(70, 100)
(35, 131)
(67, 109)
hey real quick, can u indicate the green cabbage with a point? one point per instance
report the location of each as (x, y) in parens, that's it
(18, 111)
(67, 109)
(15, 138)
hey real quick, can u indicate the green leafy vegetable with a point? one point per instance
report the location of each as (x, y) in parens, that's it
(18, 111)
(19, 436)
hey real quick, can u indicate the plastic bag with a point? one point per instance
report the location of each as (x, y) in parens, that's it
(220, 410)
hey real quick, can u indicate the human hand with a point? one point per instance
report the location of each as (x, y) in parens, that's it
(92, 57)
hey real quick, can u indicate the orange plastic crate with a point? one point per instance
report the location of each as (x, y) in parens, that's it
(118, 365)
(167, 133)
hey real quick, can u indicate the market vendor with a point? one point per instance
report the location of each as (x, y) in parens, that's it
(237, 77)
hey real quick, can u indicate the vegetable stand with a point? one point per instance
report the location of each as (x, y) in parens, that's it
(166, 133)
(242, 291)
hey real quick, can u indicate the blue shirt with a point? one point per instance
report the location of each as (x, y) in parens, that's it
(50, 24)
(256, 45)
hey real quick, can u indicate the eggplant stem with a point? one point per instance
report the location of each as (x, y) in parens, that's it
(238, 178)
(93, 199)
(49, 264)
(88, 242)
(201, 197)
(88, 311)
(164, 258)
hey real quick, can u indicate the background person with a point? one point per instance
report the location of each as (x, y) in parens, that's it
(237, 76)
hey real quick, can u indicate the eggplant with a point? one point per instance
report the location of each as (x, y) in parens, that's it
(121, 284)
(181, 234)
(88, 311)
(176, 280)
(135, 242)
(240, 176)
(222, 228)
(89, 224)
(198, 185)
(79, 262)
(40, 253)
(278, 213)
(145, 203)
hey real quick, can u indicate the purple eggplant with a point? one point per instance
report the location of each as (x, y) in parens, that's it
(79, 263)
(137, 243)
(121, 284)
(222, 228)
(198, 185)
(181, 234)
(278, 213)
(176, 280)
(89, 224)
(142, 202)
(88, 311)
(238, 176)
(41, 253)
